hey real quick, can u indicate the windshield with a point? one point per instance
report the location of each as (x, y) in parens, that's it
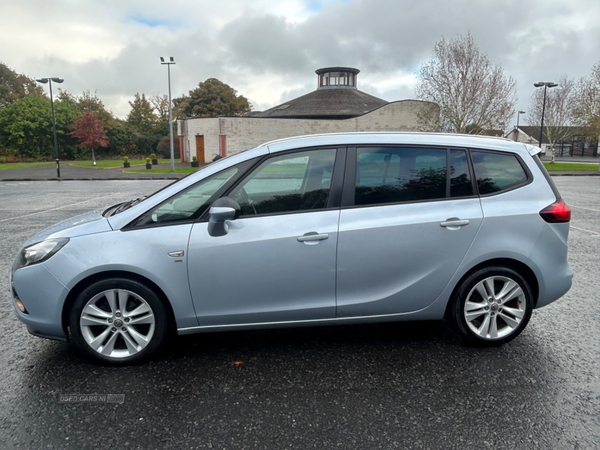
(120, 207)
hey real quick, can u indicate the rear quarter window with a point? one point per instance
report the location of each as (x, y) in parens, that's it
(496, 172)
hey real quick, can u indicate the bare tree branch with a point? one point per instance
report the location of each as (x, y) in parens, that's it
(470, 91)
(558, 115)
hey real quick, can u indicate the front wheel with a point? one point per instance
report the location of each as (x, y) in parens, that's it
(118, 321)
(492, 306)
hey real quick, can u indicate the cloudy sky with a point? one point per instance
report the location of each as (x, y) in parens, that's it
(269, 49)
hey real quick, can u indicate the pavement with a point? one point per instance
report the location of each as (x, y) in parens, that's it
(69, 172)
(367, 387)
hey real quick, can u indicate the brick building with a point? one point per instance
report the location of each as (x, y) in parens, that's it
(335, 106)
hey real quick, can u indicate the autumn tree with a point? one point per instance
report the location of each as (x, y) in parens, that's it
(211, 98)
(558, 113)
(470, 90)
(586, 102)
(160, 103)
(14, 86)
(90, 132)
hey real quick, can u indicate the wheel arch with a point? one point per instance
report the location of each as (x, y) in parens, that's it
(521, 268)
(83, 284)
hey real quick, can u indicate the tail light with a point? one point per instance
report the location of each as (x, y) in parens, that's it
(557, 212)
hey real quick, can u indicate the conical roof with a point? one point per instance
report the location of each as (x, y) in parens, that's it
(327, 102)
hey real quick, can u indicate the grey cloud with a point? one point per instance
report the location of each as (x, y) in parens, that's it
(533, 40)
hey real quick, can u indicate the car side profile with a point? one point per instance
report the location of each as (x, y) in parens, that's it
(312, 230)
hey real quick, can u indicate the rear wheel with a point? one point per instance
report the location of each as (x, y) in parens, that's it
(118, 321)
(492, 306)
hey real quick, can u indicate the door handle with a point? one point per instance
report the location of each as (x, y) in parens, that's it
(454, 223)
(313, 236)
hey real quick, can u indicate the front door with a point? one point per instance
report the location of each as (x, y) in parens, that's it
(277, 262)
(200, 148)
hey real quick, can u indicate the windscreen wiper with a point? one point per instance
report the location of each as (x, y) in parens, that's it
(123, 206)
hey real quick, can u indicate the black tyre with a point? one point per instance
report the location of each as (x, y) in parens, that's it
(491, 307)
(118, 321)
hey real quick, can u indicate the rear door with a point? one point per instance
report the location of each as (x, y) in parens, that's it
(409, 215)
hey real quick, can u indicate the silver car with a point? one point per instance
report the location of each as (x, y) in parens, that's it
(312, 230)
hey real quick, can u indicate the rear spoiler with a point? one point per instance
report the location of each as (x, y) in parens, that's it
(532, 149)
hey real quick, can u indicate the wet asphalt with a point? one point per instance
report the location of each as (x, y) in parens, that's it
(408, 385)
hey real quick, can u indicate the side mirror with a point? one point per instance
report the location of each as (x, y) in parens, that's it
(221, 210)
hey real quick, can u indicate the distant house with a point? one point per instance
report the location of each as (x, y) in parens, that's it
(576, 142)
(335, 106)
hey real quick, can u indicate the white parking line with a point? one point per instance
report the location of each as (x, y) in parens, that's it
(594, 233)
(48, 210)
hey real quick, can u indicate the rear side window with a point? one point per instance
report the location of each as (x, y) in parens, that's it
(391, 175)
(497, 172)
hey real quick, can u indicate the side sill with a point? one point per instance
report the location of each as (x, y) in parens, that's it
(313, 322)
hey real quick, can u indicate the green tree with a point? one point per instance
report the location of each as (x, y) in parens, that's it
(211, 98)
(142, 117)
(14, 86)
(26, 128)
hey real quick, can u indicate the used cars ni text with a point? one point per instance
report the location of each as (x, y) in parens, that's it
(312, 230)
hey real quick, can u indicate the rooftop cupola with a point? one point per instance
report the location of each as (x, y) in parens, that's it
(337, 77)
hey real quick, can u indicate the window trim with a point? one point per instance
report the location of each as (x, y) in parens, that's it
(349, 187)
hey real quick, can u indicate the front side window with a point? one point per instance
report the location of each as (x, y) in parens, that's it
(390, 175)
(190, 203)
(292, 182)
(497, 172)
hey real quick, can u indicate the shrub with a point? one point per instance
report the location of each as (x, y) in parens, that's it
(194, 158)
(125, 159)
(148, 160)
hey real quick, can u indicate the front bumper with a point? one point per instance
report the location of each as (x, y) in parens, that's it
(43, 297)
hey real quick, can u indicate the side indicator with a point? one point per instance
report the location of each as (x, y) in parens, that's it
(557, 212)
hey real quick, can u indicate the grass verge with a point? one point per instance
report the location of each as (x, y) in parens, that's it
(177, 170)
(7, 166)
(569, 167)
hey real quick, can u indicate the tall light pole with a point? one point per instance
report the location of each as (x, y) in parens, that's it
(44, 81)
(168, 63)
(546, 84)
(517, 129)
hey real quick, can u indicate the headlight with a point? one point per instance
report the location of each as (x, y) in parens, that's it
(38, 253)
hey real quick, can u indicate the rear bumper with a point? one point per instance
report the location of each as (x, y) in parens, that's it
(549, 260)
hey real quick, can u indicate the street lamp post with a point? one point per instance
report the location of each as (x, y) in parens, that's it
(44, 81)
(546, 84)
(168, 63)
(517, 129)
